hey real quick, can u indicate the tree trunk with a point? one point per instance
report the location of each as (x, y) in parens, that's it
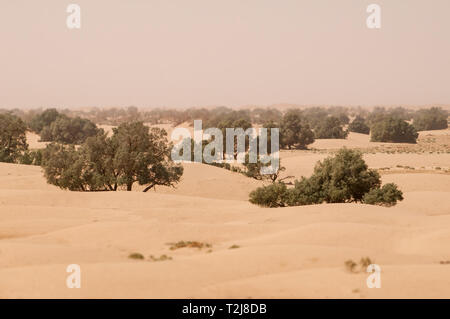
(129, 186)
(148, 188)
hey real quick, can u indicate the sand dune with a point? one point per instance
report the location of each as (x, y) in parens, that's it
(288, 252)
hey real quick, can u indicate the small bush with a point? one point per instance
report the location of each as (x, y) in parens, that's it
(388, 195)
(136, 256)
(393, 130)
(161, 258)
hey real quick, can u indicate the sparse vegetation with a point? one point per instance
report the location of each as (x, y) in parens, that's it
(189, 244)
(138, 256)
(430, 119)
(358, 125)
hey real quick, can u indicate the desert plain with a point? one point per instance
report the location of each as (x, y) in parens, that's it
(249, 252)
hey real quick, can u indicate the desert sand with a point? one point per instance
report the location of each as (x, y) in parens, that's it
(295, 252)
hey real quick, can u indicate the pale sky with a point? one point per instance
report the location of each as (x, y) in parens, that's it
(227, 52)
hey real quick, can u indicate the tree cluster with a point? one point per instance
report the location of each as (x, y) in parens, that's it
(343, 178)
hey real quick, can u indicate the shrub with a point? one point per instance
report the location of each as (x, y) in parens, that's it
(388, 195)
(358, 125)
(136, 256)
(330, 127)
(33, 157)
(339, 179)
(13, 142)
(430, 119)
(393, 130)
(274, 195)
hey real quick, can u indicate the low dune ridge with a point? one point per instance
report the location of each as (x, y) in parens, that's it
(294, 252)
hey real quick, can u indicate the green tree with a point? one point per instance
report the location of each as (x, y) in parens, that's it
(430, 119)
(340, 179)
(69, 130)
(133, 154)
(358, 125)
(294, 131)
(273, 195)
(13, 141)
(330, 127)
(393, 130)
(143, 156)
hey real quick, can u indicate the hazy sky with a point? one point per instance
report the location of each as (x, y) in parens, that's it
(227, 52)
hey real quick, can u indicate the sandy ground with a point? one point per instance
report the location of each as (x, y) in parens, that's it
(296, 252)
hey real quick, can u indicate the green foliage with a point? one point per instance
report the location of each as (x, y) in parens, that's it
(388, 195)
(13, 141)
(430, 119)
(393, 130)
(358, 125)
(138, 256)
(39, 121)
(340, 179)
(344, 177)
(253, 170)
(330, 127)
(33, 157)
(133, 154)
(294, 131)
(273, 195)
(69, 130)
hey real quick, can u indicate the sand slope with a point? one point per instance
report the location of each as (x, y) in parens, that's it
(296, 252)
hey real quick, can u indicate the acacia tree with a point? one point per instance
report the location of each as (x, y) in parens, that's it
(13, 141)
(133, 154)
(143, 156)
(39, 121)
